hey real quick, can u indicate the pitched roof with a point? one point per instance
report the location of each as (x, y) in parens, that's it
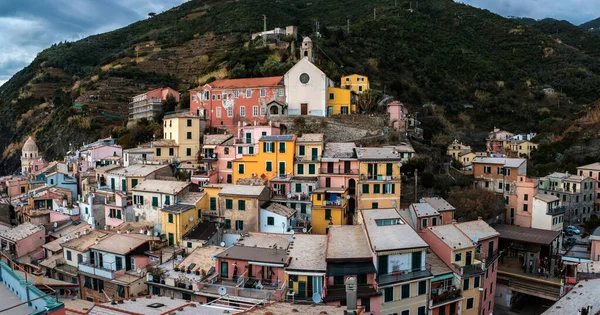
(310, 137)
(339, 239)
(280, 210)
(204, 231)
(247, 83)
(546, 197)
(278, 138)
(21, 231)
(137, 170)
(528, 235)
(182, 115)
(162, 186)
(423, 210)
(216, 139)
(83, 242)
(501, 161)
(264, 240)
(377, 154)
(164, 143)
(593, 167)
(265, 255)
(390, 237)
(477, 230)
(439, 204)
(308, 253)
(120, 243)
(452, 236)
(339, 150)
(243, 190)
(179, 208)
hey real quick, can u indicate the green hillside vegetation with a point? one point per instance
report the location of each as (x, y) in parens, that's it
(444, 53)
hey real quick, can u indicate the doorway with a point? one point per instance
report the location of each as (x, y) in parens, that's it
(304, 109)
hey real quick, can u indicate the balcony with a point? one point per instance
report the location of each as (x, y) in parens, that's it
(404, 275)
(470, 270)
(298, 197)
(445, 295)
(307, 158)
(379, 177)
(333, 203)
(557, 210)
(489, 258)
(242, 141)
(210, 157)
(92, 269)
(338, 292)
(338, 171)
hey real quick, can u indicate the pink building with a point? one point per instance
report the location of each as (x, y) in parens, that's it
(595, 246)
(217, 154)
(397, 111)
(92, 157)
(249, 134)
(22, 239)
(339, 169)
(114, 212)
(16, 186)
(521, 213)
(149, 104)
(593, 171)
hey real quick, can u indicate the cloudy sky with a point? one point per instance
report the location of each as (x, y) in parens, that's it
(574, 11)
(29, 26)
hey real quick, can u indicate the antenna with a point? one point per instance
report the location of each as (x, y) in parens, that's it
(222, 291)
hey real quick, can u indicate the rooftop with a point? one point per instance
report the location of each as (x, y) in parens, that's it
(137, 170)
(452, 236)
(162, 186)
(439, 204)
(393, 236)
(247, 82)
(583, 294)
(339, 150)
(8, 299)
(120, 244)
(243, 190)
(265, 255)
(592, 167)
(567, 177)
(181, 115)
(377, 154)
(164, 143)
(20, 232)
(424, 210)
(107, 168)
(528, 235)
(85, 241)
(310, 137)
(280, 210)
(216, 139)
(264, 240)
(278, 138)
(66, 233)
(347, 242)
(179, 208)
(308, 253)
(438, 266)
(139, 150)
(156, 305)
(281, 308)
(202, 257)
(204, 231)
(546, 197)
(403, 147)
(507, 162)
(192, 197)
(477, 230)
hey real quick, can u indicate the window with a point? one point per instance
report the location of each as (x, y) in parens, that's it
(170, 218)
(375, 205)
(69, 255)
(422, 287)
(155, 201)
(421, 310)
(300, 169)
(301, 150)
(241, 204)
(269, 166)
(240, 150)
(423, 223)
(263, 92)
(388, 294)
(302, 208)
(280, 92)
(188, 135)
(327, 214)
(487, 169)
(227, 224)
(312, 169)
(236, 93)
(213, 203)
(499, 185)
(433, 221)
(405, 312)
(243, 111)
(229, 111)
(269, 147)
(254, 111)
(158, 152)
(270, 220)
(365, 188)
(331, 96)
(466, 284)
(525, 197)
(87, 282)
(171, 152)
(457, 257)
(188, 152)
(525, 207)
(228, 204)
(337, 280)
(281, 147)
(470, 302)
(240, 168)
(405, 293)
(186, 296)
(189, 244)
(476, 282)
(218, 112)
(298, 187)
(229, 164)
(389, 188)
(239, 225)
(262, 111)
(189, 122)
(248, 93)
(193, 97)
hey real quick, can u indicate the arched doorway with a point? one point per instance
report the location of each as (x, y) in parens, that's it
(274, 110)
(351, 205)
(352, 187)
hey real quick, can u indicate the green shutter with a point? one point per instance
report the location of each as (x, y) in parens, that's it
(388, 169)
(300, 169)
(250, 150)
(393, 188)
(376, 188)
(124, 185)
(302, 150)
(134, 182)
(327, 214)
(228, 164)
(365, 188)
(311, 169)
(167, 200)
(281, 147)
(282, 168)
(241, 204)
(241, 168)
(170, 218)
(227, 224)
(213, 203)
(298, 187)
(228, 204)
(269, 166)
(155, 201)
(118, 214)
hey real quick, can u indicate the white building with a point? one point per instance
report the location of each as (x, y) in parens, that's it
(276, 218)
(137, 156)
(151, 195)
(547, 213)
(306, 89)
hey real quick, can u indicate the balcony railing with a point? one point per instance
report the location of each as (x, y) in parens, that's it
(489, 258)
(307, 158)
(404, 275)
(471, 269)
(338, 292)
(442, 295)
(242, 141)
(210, 157)
(333, 203)
(296, 196)
(339, 170)
(98, 271)
(557, 210)
(379, 177)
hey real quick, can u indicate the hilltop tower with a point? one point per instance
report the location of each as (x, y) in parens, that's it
(30, 153)
(306, 50)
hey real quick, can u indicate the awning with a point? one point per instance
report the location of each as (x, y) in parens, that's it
(256, 263)
(307, 273)
(351, 268)
(443, 277)
(209, 146)
(576, 260)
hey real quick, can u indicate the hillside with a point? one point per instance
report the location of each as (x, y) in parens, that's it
(445, 53)
(595, 23)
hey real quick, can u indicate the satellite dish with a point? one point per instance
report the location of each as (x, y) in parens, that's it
(292, 232)
(289, 196)
(155, 233)
(222, 244)
(348, 197)
(222, 291)
(399, 164)
(55, 224)
(304, 230)
(191, 219)
(213, 257)
(179, 257)
(316, 298)
(475, 239)
(139, 270)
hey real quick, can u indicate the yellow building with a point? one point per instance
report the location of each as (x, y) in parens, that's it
(275, 158)
(456, 148)
(340, 101)
(309, 148)
(181, 138)
(355, 82)
(329, 207)
(522, 148)
(179, 219)
(380, 178)
(306, 271)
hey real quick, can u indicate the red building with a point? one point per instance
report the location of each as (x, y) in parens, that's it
(224, 103)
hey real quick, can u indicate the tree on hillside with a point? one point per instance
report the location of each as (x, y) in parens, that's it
(367, 101)
(473, 202)
(151, 14)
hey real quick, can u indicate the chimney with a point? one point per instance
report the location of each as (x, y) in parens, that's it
(351, 290)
